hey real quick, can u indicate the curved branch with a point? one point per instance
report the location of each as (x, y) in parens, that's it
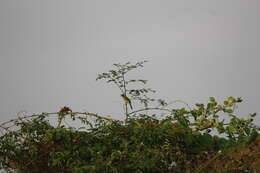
(7, 127)
(156, 108)
(180, 101)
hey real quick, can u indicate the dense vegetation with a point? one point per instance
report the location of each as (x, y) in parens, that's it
(152, 139)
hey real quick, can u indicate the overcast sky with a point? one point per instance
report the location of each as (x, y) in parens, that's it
(51, 52)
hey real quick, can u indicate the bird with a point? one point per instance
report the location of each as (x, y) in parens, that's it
(127, 100)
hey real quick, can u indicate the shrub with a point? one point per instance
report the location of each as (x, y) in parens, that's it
(169, 140)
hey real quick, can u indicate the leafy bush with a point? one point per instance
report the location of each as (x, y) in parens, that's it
(169, 140)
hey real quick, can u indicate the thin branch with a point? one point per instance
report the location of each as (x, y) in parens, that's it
(180, 101)
(145, 109)
(93, 114)
(207, 127)
(115, 82)
(25, 117)
(124, 85)
(6, 127)
(203, 166)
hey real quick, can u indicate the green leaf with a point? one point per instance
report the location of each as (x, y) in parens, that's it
(253, 114)
(228, 110)
(212, 99)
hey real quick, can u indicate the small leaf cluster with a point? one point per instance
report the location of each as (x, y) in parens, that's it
(118, 77)
(221, 117)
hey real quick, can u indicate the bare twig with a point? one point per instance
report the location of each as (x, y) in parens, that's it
(11, 123)
(155, 108)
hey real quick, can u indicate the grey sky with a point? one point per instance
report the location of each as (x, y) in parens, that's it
(51, 52)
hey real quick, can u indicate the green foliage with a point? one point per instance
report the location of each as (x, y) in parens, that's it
(180, 141)
(142, 144)
(118, 76)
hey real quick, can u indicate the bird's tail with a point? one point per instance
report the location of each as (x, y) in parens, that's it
(130, 106)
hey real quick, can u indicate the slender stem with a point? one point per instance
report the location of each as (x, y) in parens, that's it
(93, 114)
(180, 101)
(207, 127)
(115, 82)
(30, 116)
(203, 166)
(6, 127)
(124, 85)
(145, 109)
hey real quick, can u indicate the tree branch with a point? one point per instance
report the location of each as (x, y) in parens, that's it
(156, 108)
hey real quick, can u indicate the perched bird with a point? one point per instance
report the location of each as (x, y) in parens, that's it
(127, 100)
